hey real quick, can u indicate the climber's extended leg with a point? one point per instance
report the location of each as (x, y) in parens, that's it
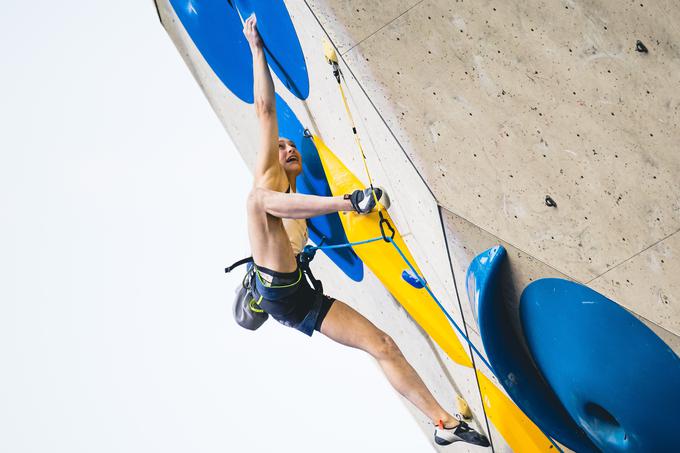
(346, 326)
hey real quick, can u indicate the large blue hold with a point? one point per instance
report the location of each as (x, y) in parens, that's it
(509, 357)
(216, 28)
(284, 53)
(327, 228)
(616, 378)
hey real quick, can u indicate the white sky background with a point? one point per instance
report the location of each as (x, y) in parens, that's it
(121, 201)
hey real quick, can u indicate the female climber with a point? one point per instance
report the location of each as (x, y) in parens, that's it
(278, 233)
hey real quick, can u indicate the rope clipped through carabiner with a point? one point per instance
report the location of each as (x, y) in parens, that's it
(386, 222)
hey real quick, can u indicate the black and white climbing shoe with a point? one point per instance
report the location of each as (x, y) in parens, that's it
(461, 433)
(363, 201)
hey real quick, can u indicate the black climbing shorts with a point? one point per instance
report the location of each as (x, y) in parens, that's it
(290, 299)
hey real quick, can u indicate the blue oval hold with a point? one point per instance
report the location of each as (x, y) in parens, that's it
(216, 27)
(217, 30)
(282, 46)
(327, 228)
(616, 378)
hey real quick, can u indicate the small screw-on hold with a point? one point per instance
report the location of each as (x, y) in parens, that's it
(307, 134)
(550, 202)
(641, 47)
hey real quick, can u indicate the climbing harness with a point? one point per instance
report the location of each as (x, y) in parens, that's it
(247, 309)
(238, 263)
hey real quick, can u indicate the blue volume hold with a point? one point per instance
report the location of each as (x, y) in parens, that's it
(216, 28)
(281, 44)
(327, 228)
(615, 377)
(509, 356)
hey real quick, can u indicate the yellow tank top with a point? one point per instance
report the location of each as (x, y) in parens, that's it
(297, 233)
(296, 229)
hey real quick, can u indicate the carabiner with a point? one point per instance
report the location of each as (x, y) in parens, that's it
(307, 254)
(384, 221)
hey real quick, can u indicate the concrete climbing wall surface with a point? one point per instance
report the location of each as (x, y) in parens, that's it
(471, 113)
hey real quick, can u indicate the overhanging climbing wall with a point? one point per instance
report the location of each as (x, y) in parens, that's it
(502, 103)
(471, 113)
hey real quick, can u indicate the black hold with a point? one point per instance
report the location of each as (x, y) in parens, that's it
(641, 47)
(550, 202)
(307, 134)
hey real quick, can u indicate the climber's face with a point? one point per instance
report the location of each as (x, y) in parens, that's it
(289, 157)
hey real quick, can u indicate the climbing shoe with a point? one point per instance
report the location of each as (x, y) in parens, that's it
(461, 433)
(363, 201)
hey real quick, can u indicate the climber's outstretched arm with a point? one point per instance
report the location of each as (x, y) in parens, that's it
(268, 171)
(297, 206)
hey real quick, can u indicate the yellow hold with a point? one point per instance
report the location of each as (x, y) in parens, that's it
(463, 408)
(329, 53)
(385, 261)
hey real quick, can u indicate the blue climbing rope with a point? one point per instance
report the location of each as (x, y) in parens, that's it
(441, 307)
(313, 248)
